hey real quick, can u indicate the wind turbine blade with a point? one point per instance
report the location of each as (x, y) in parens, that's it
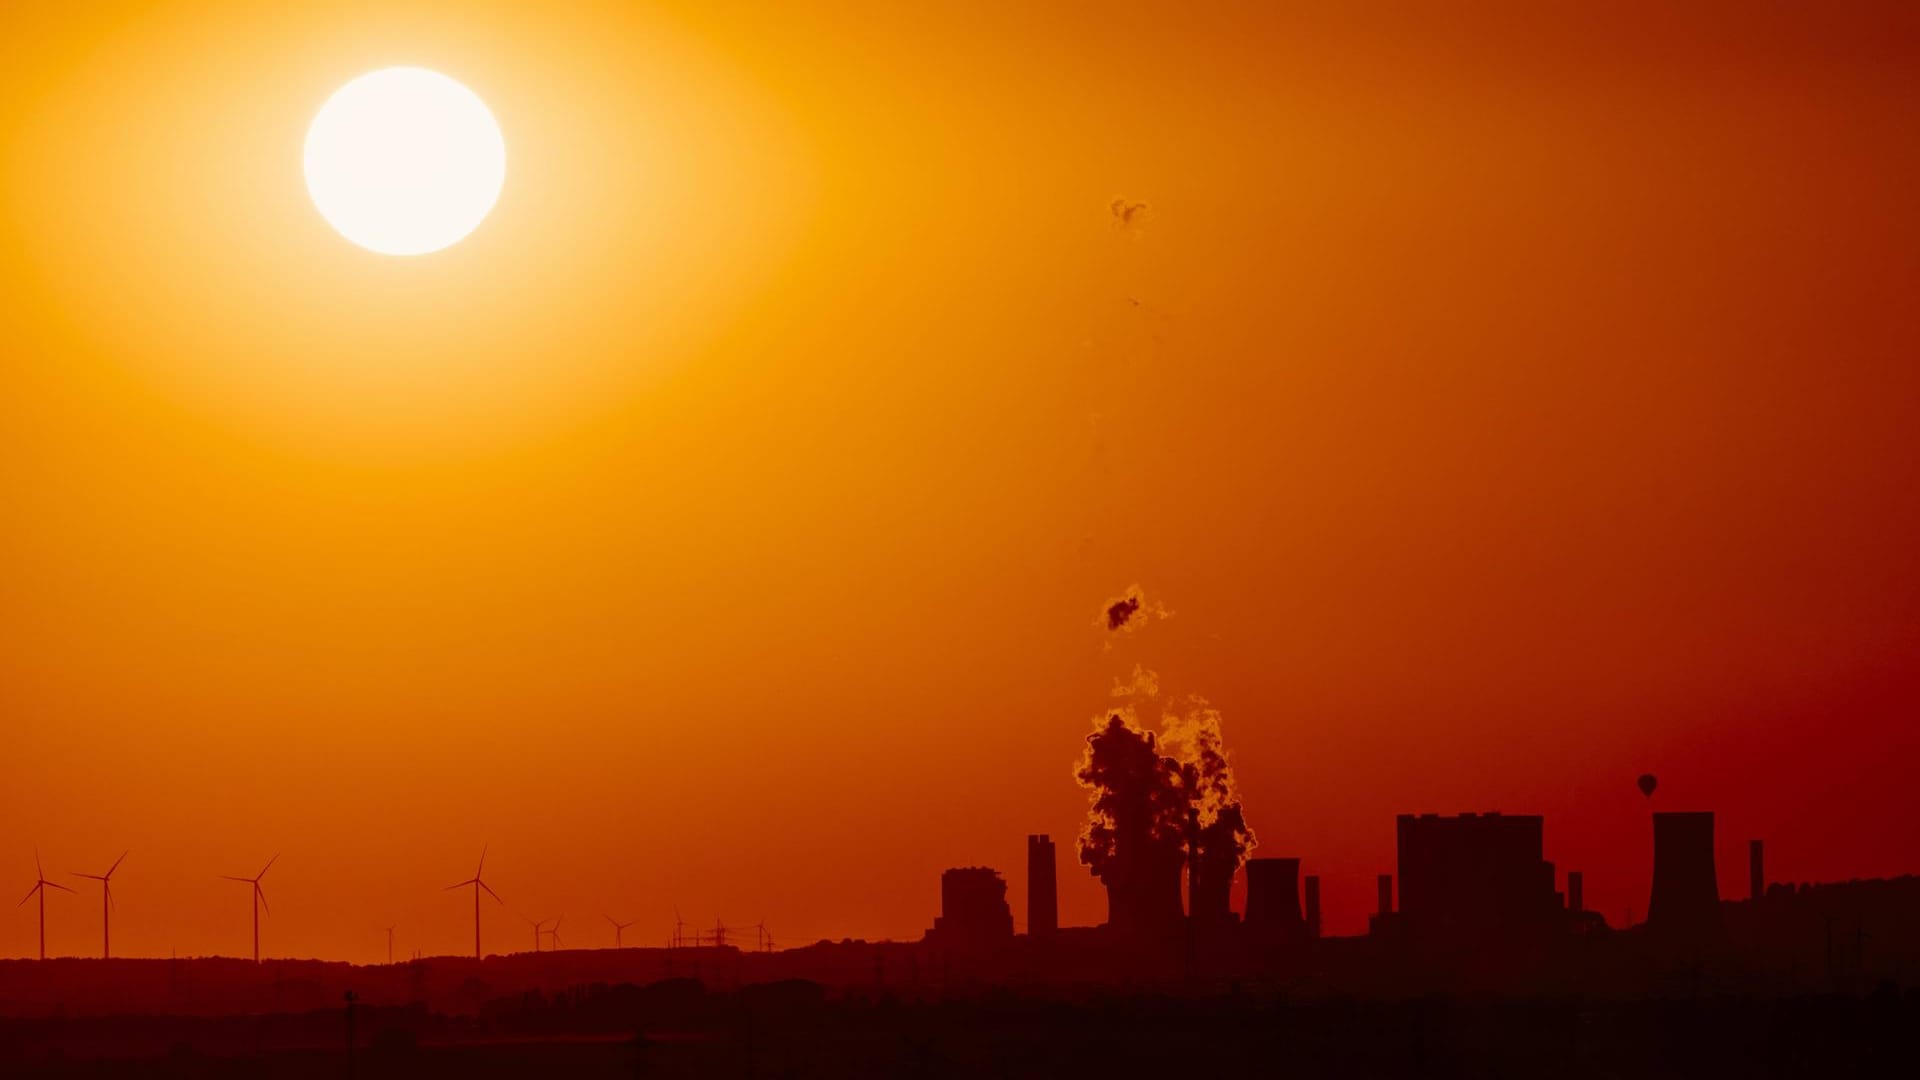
(111, 903)
(459, 885)
(37, 871)
(30, 892)
(257, 877)
(229, 877)
(483, 863)
(262, 894)
(490, 892)
(90, 877)
(116, 864)
(608, 917)
(56, 885)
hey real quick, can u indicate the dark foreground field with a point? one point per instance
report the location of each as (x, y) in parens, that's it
(794, 1030)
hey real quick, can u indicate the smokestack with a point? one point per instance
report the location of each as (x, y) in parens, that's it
(1386, 894)
(1209, 875)
(1756, 868)
(1043, 898)
(1686, 894)
(1576, 891)
(1313, 905)
(1273, 897)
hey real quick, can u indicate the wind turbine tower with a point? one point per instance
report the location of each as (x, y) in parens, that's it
(259, 901)
(40, 884)
(477, 886)
(106, 904)
(617, 928)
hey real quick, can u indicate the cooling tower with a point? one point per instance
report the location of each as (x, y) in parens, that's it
(1273, 897)
(1143, 897)
(1313, 905)
(1686, 895)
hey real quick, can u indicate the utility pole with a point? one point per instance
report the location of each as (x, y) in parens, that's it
(351, 998)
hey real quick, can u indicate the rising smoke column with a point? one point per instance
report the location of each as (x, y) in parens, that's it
(1135, 836)
(1160, 803)
(1128, 612)
(1217, 836)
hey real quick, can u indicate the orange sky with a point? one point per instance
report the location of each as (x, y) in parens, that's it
(1505, 403)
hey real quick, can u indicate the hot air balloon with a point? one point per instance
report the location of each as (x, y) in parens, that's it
(1647, 783)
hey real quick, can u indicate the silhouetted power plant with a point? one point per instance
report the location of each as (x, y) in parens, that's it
(1043, 891)
(973, 908)
(1313, 905)
(1686, 892)
(1473, 879)
(1273, 899)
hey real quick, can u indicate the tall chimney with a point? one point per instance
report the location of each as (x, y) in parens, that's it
(1386, 894)
(1043, 898)
(1576, 891)
(1313, 905)
(1686, 895)
(1273, 897)
(1756, 869)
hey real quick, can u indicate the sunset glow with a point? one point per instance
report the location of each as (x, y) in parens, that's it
(1491, 409)
(404, 161)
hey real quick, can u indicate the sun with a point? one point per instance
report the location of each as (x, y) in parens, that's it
(405, 161)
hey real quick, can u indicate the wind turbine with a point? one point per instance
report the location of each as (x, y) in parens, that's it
(539, 928)
(477, 886)
(40, 884)
(617, 928)
(390, 943)
(762, 938)
(554, 933)
(106, 903)
(259, 901)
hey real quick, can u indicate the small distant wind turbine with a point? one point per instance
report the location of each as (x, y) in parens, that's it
(390, 943)
(259, 901)
(40, 884)
(539, 929)
(477, 886)
(554, 933)
(106, 904)
(617, 928)
(763, 939)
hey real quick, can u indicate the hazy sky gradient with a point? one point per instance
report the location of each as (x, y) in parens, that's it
(1505, 401)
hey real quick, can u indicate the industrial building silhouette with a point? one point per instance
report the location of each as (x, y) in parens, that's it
(1474, 892)
(1043, 892)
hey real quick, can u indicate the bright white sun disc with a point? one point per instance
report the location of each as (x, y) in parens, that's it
(405, 161)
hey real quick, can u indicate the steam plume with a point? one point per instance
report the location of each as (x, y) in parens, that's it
(1129, 611)
(1128, 214)
(1160, 802)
